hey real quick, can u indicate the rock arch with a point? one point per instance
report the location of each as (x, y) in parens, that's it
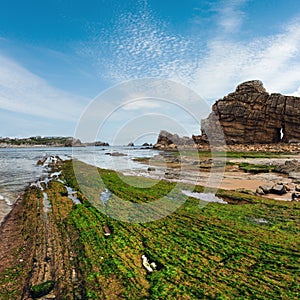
(252, 115)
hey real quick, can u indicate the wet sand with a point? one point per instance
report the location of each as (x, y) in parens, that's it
(229, 178)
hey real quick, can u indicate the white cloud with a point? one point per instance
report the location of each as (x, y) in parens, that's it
(142, 46)
(140, 104)
(230, 15)
(24, 92)
(274, 59)
(296, 93)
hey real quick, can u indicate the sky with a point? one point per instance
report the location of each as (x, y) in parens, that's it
(59, 57)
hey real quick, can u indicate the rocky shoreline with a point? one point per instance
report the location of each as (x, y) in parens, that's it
(51, 248)
(173, 142)
(40, 142)
(45, 251)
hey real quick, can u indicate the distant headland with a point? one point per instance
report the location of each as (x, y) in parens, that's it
(38, 141)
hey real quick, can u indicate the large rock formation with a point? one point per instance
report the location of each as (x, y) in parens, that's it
(251, 115)
(167, 140)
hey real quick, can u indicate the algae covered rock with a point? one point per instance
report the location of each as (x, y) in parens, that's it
(42, 289)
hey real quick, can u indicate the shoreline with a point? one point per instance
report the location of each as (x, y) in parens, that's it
(66, 244)
(231, 180)
(44, 146)
(13, 206)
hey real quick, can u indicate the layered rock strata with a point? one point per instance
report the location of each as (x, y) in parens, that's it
(251, 115)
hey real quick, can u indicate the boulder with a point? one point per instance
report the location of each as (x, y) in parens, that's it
(290, 166)
(260, 191)
(265, 188)
(41, 161)
(295, 196)
(42, 289)
(115, 154)
(150, 169)
(130, 144)
(278, 189)
(295, 176)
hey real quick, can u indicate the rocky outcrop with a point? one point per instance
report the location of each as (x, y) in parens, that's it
(277, 189)
(100, 144)
(167, 140)
(72, 142)
(288, 167)
(252, 115)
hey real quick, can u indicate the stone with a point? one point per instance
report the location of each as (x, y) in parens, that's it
(42, 289)
(290, 166)
(278, 189)
(49, 297)
(297, 188)
(265, 188)
(115, 154)
(295, 176)
(251, 115)
(107, 231)
(42, 161)
(295, 196)
(130, 144)
(260, 191)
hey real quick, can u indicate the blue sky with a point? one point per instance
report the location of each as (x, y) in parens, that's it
(57, 56)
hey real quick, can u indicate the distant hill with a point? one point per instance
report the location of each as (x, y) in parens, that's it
(38, 141)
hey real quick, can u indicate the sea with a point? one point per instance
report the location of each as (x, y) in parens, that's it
(18, 166)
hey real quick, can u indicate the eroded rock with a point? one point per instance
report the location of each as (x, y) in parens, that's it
(167, 140)
(251, 115)
(288, 167)
(278, 189)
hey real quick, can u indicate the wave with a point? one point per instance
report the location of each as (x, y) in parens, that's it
(6, 199)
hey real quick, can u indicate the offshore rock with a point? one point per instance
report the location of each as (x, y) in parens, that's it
(167, 140)
(251, 115)
(72, 142)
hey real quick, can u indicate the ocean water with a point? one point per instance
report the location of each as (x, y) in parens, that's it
(18, 166)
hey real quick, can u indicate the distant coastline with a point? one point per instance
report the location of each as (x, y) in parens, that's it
(38, 142)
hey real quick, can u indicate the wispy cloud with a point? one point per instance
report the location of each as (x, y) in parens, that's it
(230, 15)
(142, 46)
(24, 92)
(137, 44)
(141, 104)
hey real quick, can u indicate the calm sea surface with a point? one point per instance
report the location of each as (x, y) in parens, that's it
(18, 166)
